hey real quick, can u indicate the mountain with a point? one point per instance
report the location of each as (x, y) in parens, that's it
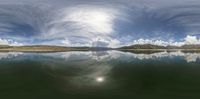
(41, 48)
(150, 46)
(49, 48)
(136, 48)
(144, 46)
(172, 47)
(190, 47)
(4, 46)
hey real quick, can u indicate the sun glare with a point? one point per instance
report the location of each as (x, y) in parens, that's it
(100, 79)
(98, 21)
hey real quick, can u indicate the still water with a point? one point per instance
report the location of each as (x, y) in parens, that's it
(100, 75)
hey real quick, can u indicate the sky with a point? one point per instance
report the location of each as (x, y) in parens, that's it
(99, 23)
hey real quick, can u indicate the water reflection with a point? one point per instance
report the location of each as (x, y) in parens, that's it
(91, 68)
(81, 69)
(189, 57)
(86, 69)
(100, 79)
(7, 55)
(102, 56)
(123, 56)
(108, 72)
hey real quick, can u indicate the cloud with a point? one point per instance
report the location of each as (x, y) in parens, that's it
(95, 42)
(156, 42)
(94, 20)
(191, 40)
(9, 42)
(4, 42)
(82, 25)
(98, 23)
(35, 24)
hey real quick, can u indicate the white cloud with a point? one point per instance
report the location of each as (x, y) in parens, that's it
(9, 42)
(68, 43)
(4, 42)
(68, 21)
(82, 21)
(156, 42)
(94, 42)
(148, 41)
(191, 40)
(84, 26)
(105, 42)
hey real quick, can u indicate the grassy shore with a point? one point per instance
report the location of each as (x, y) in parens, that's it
(41, 49)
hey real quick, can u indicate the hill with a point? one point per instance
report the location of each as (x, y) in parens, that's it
(48, 48)
(150, 46)
(41, 48)
(136, 48)
(144, 46)
(190, 47)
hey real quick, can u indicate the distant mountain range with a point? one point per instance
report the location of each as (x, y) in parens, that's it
(144, 46)
(150, 46)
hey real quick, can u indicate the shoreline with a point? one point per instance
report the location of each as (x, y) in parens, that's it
(52, 50)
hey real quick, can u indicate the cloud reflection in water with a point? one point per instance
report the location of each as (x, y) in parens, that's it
(86, 69)
(92, 69)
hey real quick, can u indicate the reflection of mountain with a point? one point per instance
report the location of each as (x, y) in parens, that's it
(103, 56)
(189, 57)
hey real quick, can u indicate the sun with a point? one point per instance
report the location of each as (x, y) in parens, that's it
(100, 79)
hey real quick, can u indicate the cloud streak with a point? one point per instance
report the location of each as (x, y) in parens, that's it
(99, 23)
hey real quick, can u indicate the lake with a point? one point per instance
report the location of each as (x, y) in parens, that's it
(99, 75)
